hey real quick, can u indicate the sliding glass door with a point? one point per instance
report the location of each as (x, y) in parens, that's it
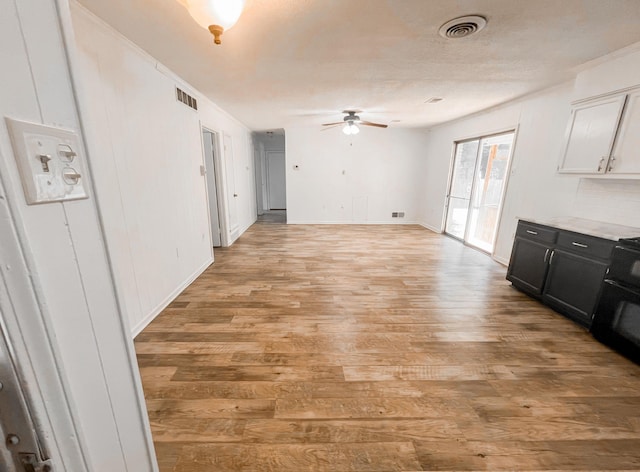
(476, 189)
(464, 166)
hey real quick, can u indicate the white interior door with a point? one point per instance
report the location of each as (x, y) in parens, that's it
(208, 139)
(276, 180)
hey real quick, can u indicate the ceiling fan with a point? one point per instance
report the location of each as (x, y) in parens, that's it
(350, 121)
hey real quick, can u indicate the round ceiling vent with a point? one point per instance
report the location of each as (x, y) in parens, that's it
(462, 27)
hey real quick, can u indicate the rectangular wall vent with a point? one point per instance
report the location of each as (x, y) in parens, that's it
(187, 99)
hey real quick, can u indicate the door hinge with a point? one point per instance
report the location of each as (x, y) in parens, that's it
(30, 463)
(22, 440)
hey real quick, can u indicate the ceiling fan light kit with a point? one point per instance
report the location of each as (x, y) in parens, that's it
(217, 16)
(350, 128)
(351, 120)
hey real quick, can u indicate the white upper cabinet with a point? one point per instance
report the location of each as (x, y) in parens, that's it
(625, 158)
(603, 137)
(591, 134)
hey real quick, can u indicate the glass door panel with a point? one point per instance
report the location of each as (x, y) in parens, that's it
(461, 185)
(477, 186)
(457, 217)
(490, 178)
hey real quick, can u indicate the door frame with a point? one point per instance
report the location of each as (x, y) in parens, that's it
(503, 193)
(27, 330)
(216, 178)
(220, 185)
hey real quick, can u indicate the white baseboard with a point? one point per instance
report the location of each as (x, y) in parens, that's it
(239, 231)
(386, 222)
(504, 262)
(431, 228)
(144, 322)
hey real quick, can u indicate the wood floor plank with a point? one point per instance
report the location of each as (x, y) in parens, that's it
(603, 455)
(259, 373)
(204, 408)
(350, 431)
(197, 430)
(317, 389)
(428, 372)
(319, 457)
(545, 428)
(377, 348)
(168, 347)
(388, 407)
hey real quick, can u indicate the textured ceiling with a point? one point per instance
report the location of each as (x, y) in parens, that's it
(292, 62)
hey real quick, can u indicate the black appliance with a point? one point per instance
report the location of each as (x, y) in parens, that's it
(617, 319)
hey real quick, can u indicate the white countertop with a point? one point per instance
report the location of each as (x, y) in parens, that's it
(590, 227)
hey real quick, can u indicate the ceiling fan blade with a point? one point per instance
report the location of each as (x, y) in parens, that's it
(330, 126)
(368, 123)
(333, 124)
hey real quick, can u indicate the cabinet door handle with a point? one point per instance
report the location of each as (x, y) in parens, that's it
(551, 258)
(600, 165)
(611, 162)
(579, 244)
(546, 254)
(532, 232)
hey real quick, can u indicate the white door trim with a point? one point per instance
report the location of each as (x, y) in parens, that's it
(34, 354)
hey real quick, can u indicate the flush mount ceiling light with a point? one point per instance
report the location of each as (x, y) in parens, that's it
(216, 15)
(350, 128)
(462, 27)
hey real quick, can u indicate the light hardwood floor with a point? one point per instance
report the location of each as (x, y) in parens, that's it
(377, 348)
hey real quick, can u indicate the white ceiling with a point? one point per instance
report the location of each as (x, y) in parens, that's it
(291, 62)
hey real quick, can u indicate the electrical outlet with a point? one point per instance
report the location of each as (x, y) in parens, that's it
(401, 214)
(50, 162)
(394, 214)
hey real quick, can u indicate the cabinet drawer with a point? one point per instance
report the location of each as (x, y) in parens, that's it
(536, 233)
(587, 246)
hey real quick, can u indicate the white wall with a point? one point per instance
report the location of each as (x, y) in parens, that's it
(535, 189)
(354, 179)
(148, 152)
(613, 201)
(69, 290)
(238, 168)
(616, 71)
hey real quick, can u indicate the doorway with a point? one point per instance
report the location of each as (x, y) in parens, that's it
(271, 175)
(209, 141)
(276, 180)
(476, 189)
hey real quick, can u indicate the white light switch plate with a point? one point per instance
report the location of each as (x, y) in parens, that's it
(50, 161)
